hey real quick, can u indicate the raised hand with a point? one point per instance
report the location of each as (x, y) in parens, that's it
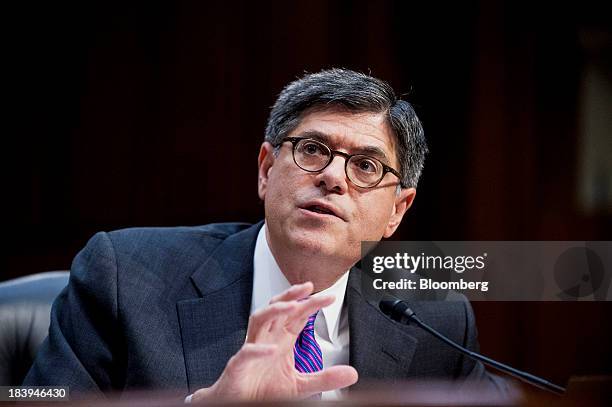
(263, 369)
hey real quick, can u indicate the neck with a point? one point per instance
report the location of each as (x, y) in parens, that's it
(299, 266)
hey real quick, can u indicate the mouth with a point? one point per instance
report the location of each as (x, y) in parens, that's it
(321, 209)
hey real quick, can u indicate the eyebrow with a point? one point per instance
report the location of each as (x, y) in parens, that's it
(371, 151)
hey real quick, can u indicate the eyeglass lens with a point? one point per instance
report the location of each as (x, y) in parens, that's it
(311, 155)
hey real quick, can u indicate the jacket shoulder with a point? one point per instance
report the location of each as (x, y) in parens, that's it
(173, 239)
(212, 231)
(168, 253)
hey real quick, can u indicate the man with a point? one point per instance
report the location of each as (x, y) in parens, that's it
(227, 310)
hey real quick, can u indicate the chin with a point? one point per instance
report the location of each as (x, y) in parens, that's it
(314, 242)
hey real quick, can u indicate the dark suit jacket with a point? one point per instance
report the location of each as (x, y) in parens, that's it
(166, 308)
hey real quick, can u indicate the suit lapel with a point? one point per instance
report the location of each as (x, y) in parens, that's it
(213, 327)
(379, 349)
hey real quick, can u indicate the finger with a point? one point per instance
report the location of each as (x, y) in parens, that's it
(251, 350)
(305, 309)
(295, 292)
(262, 320)
(249, 353)
(332, 378)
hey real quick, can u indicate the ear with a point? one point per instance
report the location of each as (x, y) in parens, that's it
(403, 202)
(265, 161)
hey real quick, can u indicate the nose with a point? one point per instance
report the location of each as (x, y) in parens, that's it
(333, 177)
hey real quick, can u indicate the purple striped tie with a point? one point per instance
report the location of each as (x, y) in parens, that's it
(307, 352)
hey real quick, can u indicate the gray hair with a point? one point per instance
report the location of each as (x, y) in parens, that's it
(356, 92)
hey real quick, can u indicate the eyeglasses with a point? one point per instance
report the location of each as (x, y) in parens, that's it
(362, 170)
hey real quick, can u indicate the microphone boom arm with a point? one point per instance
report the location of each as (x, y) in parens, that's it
(400, 312)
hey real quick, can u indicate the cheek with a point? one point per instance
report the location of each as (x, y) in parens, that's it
(274, 197)
(374, 217)
(281, 189)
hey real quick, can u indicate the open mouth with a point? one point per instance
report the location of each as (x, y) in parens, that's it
(320, 209)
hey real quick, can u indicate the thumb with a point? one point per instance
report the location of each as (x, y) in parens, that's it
(332, 378)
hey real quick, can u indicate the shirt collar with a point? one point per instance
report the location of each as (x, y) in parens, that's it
(269, 280)
(333, 311)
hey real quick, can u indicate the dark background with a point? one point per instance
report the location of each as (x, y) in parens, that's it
(151, 113)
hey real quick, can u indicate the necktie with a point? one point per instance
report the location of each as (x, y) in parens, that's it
(307, 352)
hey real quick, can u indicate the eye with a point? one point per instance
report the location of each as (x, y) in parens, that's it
(312, 148)
(366, 165)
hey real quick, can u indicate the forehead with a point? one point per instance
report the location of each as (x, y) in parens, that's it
(344, 129)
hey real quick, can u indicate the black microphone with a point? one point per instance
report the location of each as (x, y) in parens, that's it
(399, 311)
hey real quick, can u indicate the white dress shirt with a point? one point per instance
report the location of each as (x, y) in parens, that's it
(331, 325)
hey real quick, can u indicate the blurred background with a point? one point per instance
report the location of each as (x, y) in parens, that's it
(151, 113)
